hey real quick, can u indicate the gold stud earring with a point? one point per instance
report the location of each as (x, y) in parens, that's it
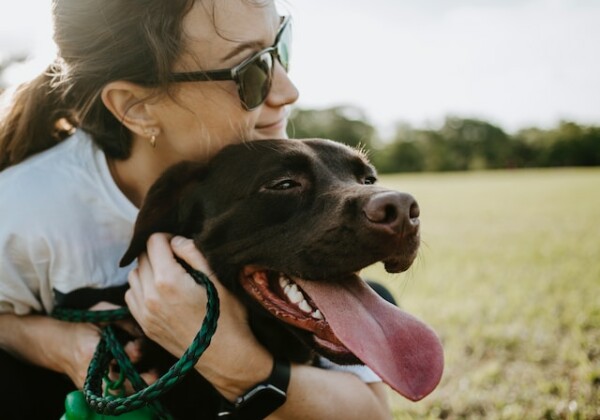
(153, 133)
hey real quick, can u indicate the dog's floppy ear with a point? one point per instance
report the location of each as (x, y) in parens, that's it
(172, 205)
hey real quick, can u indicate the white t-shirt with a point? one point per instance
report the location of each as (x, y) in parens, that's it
(64, 226)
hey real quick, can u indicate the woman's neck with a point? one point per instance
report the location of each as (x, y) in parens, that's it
(136, 174)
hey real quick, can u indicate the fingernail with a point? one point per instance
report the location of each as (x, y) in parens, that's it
(177, 240)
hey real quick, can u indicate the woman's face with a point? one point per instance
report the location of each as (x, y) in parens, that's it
(202, 117)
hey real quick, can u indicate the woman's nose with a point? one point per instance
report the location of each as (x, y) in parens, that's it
(283, 91)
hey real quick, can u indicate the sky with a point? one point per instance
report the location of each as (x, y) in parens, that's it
(515, 63)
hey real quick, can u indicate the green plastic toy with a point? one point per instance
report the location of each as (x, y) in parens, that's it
(76, 408)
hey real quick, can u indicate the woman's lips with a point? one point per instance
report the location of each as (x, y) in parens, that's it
(274, 125)
(272, 130)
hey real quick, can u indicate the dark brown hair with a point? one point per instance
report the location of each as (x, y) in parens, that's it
(98, 41)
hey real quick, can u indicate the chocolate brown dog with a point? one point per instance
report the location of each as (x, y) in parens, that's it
(286, 225)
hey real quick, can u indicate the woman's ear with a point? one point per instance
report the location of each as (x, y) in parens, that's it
(128, 103)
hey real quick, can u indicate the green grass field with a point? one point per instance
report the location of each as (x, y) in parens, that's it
(509, 277)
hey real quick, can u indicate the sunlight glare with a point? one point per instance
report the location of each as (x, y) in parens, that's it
(38, 47)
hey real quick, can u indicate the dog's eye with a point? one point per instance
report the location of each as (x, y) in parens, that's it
(369, 180)
(283, 184)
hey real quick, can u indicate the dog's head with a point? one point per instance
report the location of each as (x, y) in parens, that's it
(286, 225)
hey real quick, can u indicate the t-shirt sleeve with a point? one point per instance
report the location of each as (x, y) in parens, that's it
(24, 254)
(363, 372)
(23, 267)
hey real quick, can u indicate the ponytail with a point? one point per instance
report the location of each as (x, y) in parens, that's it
(129, 42)
(35, 119)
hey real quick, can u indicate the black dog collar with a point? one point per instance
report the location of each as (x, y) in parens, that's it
(262, 399)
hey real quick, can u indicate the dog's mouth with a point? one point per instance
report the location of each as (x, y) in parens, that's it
(350, 323)
(286, 300)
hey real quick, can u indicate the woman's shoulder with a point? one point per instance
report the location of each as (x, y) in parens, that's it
(59, 184)
(58, 161)
(42, 178)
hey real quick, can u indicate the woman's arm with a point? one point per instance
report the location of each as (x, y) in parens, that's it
(170, 308)
(325, 394)
(63, 347)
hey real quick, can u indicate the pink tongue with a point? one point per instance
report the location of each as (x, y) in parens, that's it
(402, 350)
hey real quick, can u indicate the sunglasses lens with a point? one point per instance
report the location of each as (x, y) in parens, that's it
(255, 80)
(284, 46)
(256, 75)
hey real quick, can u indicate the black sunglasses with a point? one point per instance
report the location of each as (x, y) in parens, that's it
(253, 76)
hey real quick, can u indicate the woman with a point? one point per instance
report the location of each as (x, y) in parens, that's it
(68, 209)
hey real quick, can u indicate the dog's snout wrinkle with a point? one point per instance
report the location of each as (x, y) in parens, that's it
(395, 211)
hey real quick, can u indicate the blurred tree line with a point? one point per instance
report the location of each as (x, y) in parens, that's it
(459, 144)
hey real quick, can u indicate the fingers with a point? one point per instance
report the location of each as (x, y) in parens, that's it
(157, 267)
(166, 302)
(104, 306)
(158, 257)
(160, 246)
(169, 306)
(152, 276)
(114, 375)
(133, 350)
(150, 377)
(186, 250)
(158, 263)
(134, 296)
(79, 341)
(163, 298)
(130, 327)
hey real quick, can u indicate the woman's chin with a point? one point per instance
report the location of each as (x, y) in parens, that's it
(276, 131)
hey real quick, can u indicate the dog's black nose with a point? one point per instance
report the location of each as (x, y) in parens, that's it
(393, 210)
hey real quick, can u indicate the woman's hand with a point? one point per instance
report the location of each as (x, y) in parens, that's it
(82, 340)
(78, 341)
(61, 346)
(133, 348)
(170, 308)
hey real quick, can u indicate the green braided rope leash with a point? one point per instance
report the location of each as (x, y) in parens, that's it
(109, 348)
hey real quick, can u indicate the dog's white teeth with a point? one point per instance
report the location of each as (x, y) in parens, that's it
(283, 281)
(294, 294)
(305, 307)
(296, 297)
